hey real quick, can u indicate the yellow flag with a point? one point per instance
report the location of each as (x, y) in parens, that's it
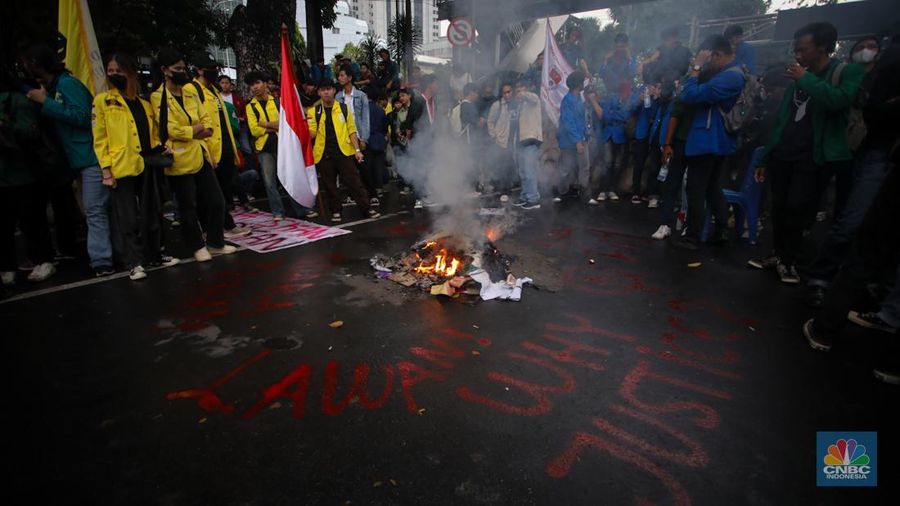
(82, 52)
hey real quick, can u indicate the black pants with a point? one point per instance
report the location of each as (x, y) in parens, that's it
(842, 174)
(125, 222)
(795, 188)
(27, 206)
(198, 194)
(704, 189)
(330, 168)
(671, 188)
(67, 217)
(151, 199)
(226, 172)
(873, 252)
(374, 170)
(642, 150)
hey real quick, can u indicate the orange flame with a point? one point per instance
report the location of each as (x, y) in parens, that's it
(492, 234)
(441, 265)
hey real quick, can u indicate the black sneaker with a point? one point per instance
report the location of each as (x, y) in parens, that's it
(532, 205)
(311, 215)
(373, 213)
(870, 321)
(348, 202)
(787, 274)
(816, 340)
(816, 295)
(889, 374)
(104, 270)
(688, 243)
(520, 203)
(764, 264)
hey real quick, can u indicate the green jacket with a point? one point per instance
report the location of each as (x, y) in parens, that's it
(69, 105)
(19, 130)
(829, 115)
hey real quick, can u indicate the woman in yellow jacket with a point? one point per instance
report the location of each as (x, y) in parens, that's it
(222, 148)
(124, 132)
(183, 125)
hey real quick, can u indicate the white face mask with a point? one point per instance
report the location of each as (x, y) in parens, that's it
(865, 55)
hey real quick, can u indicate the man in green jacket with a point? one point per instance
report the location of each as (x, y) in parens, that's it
(22, 200)
(809, 142)
(68, 103)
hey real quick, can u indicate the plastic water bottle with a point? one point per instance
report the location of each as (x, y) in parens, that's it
(647, 99)
(663, 172)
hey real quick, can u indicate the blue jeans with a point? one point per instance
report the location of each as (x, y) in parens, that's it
(270, 180)
(95, 198)
(869, 172)
(528, 162)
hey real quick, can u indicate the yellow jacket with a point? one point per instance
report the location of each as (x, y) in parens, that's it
(269, 114)
(342, 129)
(189, 152)
(213, 102)
(116, 141)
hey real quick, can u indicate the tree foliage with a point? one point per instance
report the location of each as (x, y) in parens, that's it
(643, 22)
(399, 35)
(254, 33)
(369, 47)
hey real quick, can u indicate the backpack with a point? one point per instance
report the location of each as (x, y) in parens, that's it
(270, 141)
(320, 109)
(456, 127)
(856, 123)
(751, 98)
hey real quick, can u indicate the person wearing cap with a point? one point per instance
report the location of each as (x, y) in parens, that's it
(336, 151)
(221, 145)
(184, 126)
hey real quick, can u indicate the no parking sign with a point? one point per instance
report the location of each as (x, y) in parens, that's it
(461, 31)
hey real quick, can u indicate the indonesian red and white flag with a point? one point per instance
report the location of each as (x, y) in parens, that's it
(296, 168)
(553, 77)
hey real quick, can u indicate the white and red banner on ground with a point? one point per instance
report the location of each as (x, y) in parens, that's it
(270, 235)
(553, 77)
(296, 168)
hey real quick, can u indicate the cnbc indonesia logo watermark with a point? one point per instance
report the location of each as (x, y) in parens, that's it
(848, 459)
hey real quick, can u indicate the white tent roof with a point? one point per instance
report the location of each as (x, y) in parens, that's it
(530, 45)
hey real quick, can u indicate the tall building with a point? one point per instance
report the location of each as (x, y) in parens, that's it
(225, 55)
(346, 28)
(380, 13)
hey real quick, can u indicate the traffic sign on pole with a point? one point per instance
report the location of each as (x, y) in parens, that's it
(461, 31)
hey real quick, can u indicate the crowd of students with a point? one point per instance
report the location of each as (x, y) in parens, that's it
(197, 142)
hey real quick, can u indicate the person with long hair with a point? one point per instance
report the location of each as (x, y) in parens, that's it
(124, 133)
(184, 124)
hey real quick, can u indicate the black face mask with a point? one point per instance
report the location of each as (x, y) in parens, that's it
(118, 80)
(180, 78)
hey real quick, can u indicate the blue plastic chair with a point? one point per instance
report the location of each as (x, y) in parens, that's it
(745, 203)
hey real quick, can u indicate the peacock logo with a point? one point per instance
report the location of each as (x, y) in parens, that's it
(846, 453)
(847, 459)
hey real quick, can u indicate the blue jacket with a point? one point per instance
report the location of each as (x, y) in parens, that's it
(69, 104)
(745, 55)
(660, 124)
(572, 122)
(378, 127)
(360, 111)
(646, 116)
(615, 115)
(708, 134)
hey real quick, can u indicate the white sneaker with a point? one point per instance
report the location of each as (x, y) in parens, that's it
(504, 198)
(418, 204)
(137, 273)
(653, 204)
(662, 232)
(8, 277)
(202, 255)
(224, 250)
(601, 197)
(335, 217)
(557, 199)
(612, 196)
(167, 261)
(593, 202)
(278, 217)
(42, 272)
(374, 202)
(237, 232)
(474, 194)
